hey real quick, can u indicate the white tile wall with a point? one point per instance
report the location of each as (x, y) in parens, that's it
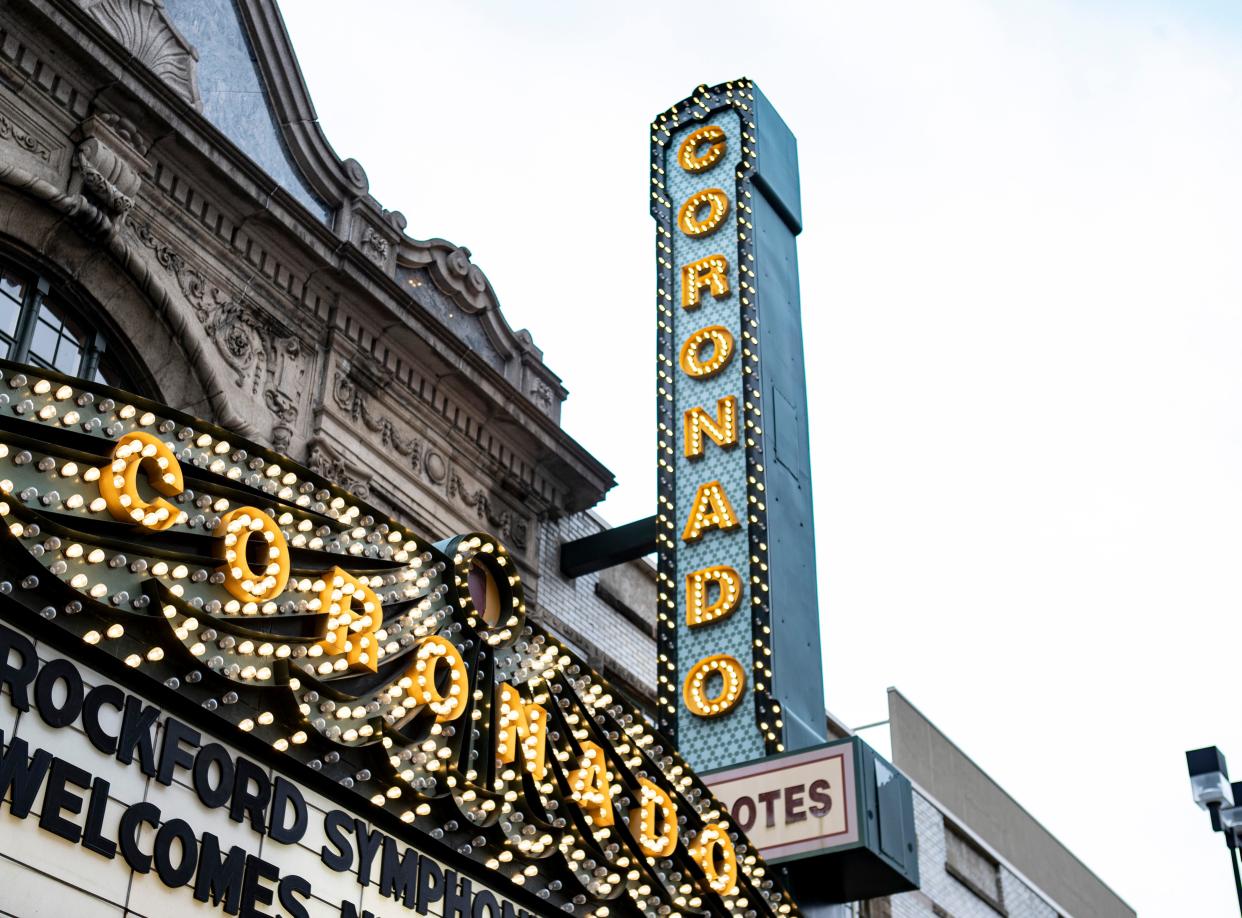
(940, 890)
(26, 893)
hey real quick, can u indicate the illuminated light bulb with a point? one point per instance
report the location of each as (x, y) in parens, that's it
(698, 610)
(711, 273)
(722, 346)
(722, 429)
(710, 509)
(690, 154)
(733, 683)
(689, 220)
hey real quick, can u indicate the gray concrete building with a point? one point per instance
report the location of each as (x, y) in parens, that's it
(980, 853)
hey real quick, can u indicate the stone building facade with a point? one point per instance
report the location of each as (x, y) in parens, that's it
(173, 220)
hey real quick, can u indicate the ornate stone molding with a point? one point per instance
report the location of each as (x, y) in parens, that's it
(374, 246)
(90, 220)
(509, 524)
(145, 31)
(111, 161)
(350, 387)
(453, 272)
(351, 397)
(322, 461)
(15, 134)
(263, 354)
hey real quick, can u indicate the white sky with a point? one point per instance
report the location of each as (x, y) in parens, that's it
(1023, 318)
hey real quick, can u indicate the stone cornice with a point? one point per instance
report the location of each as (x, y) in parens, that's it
(309, 253)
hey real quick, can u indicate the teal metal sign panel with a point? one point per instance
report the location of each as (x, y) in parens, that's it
(739, 672)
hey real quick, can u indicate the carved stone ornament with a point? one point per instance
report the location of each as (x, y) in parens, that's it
(454, 273)
(145, 31)
(110, 158)
(349, 390)
(16, 134)
(263, 354)
(323, 461)
(541, 394)
(350, 396)
(506, 522)
(374, 246)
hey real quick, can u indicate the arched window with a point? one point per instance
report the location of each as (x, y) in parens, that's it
(44, 325)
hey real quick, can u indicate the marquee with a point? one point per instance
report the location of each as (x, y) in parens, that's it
(230, 593)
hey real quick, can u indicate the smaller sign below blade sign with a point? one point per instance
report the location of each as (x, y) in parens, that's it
(795, 803)
(837, 820)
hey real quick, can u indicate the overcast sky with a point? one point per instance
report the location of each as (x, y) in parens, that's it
(1023, 318)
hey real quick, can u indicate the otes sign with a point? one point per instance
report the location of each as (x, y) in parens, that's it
(838, 818)
(739, 668)
(794, 804)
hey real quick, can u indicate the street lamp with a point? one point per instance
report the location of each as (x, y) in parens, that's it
(1210, 787)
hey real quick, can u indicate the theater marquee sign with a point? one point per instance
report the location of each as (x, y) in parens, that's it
(247, 614)
(739, 673)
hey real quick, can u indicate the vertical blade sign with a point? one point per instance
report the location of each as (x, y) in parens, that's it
(739, 668)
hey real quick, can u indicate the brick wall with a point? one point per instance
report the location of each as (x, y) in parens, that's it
(571, 607)
(943, 895)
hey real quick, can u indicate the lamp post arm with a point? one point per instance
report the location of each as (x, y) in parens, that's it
(1237, 878)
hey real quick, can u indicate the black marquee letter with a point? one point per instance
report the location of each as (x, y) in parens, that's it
(131, 819)
(57, 797)
(334, 826)
(247, 802)
(171, 753)
(179, 875)
(66, 714)
(95, 699)
(284, 795)
(17, 678)
(213, 754)
(25, 778)
(220, 878)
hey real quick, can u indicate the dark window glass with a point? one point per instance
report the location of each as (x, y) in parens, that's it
(56, 344)
(12, 286)
(108, 374)
(41, 328)
(12, 295)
